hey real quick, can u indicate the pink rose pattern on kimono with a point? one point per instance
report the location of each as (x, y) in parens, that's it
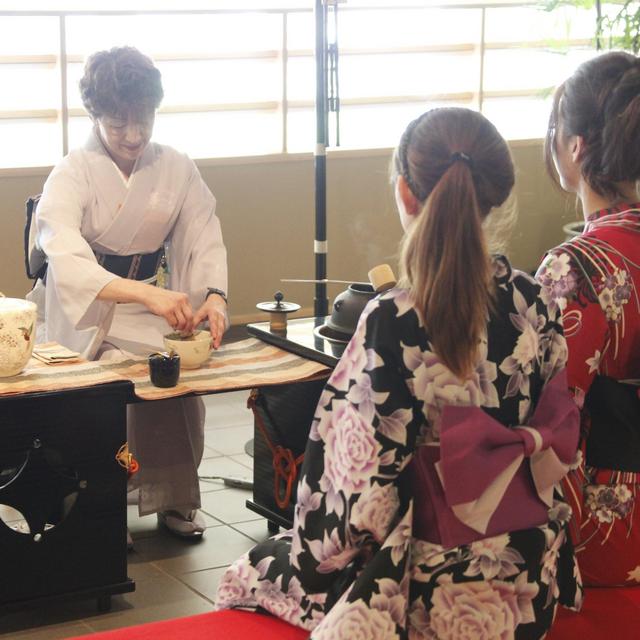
(520, 363)
(426, 556)
(356, 620)
(525, 593)
(550, 566)
(493, 558)
(283, 605)
(434, 382)
(494, 562)
(321, 414)
(392, 597)
(241, 579)
(420, 622)
(402, 301)
(485, 377)
(375, 509)
(354, 359)
(399, 540)
(482, 609)
(362, 395)
(330, 553)
(474, 611)
(306, 501)
(394, 426)
(352, 542)
(351, 450)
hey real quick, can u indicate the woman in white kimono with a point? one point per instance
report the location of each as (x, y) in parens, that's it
(115, 216)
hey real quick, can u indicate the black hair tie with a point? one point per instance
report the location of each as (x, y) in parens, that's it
(461, 156)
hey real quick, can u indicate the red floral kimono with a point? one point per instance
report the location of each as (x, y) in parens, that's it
(594, 280)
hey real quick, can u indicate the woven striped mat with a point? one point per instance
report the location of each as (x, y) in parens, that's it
(239, 365)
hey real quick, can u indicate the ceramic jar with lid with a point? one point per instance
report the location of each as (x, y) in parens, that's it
(17, 333)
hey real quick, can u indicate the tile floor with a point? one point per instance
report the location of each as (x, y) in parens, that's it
(173, 578)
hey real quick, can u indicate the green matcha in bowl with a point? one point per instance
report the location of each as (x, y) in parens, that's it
(193, 349)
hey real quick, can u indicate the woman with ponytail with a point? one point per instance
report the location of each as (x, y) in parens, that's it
(427, 503)
(592, 150)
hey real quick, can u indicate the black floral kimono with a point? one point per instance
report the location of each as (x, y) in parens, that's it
(352, 566)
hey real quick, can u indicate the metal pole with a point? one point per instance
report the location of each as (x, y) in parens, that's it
(483, 15)
(321, 303)
(64, 109)
(285, 84)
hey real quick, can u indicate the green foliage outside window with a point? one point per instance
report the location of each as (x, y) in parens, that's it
(617, 22)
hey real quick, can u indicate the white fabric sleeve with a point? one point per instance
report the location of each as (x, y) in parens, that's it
(197, 255)
(73, 269)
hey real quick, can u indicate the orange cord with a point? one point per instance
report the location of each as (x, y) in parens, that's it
(285, 466)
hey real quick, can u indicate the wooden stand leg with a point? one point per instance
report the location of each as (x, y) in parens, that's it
(104, 604)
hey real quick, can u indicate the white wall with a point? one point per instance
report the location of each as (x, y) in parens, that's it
(267, 214)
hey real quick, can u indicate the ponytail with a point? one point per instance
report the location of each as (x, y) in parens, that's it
(445, 259)
(459, 167)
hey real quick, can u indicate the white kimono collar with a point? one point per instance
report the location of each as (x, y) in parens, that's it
(127, 202)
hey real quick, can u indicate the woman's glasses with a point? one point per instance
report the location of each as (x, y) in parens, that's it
(119, 126)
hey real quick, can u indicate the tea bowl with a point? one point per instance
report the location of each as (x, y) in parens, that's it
(193, 350)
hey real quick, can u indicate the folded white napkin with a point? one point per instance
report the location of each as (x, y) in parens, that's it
(53, 353)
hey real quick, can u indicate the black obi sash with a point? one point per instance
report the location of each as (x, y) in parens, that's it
(140, 266)
(614, 438)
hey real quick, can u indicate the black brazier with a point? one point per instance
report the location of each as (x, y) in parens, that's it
(58, 470)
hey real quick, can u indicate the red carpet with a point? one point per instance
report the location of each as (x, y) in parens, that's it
(217, 625)
(608, 614)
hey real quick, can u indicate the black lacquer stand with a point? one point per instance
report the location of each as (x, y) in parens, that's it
(58, 470)
(286, 412)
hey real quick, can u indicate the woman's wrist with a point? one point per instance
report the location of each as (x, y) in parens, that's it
(217, 292)
(125, 290)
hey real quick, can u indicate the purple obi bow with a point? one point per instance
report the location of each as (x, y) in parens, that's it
(485, 478)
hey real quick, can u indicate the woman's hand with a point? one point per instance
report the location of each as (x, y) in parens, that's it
(173, 306)
(214, 309)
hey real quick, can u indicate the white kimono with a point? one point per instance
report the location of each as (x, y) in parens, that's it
(87, 205)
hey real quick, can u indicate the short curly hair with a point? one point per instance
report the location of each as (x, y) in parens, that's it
(118, 81)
